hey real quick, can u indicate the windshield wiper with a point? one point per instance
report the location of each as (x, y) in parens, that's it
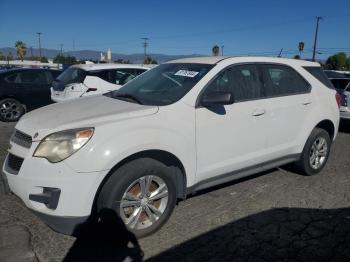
(128, 97)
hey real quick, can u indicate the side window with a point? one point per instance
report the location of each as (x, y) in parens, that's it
(243, 81)
(280, 80)
(139, 71)
(30, 77)
(13, 78)
(103, 74)
(122, 76)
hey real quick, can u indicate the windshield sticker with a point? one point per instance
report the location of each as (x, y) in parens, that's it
(186, 73)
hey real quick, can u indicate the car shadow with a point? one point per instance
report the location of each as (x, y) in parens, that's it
(104, 239)
(282, 234)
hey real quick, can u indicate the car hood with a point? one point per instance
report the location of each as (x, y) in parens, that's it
(84, 112)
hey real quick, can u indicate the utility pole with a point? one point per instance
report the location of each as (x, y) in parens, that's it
(31, 52)
(61, 46)
(39, 34)
(145, 45)
(222, 50)
(318, 18)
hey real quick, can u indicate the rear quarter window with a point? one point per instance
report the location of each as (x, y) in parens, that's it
(320, 75)
(282, 80)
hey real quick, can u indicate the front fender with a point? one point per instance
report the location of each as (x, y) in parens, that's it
(109, 152)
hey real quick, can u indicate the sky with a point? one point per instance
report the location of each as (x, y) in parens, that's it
(249, 27)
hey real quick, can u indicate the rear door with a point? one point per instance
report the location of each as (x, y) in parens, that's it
(13, 87)
(288, 101)
(37, 85)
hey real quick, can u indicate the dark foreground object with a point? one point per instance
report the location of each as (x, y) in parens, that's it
(104, 240)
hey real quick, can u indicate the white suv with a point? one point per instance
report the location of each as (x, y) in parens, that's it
(93, 79)
(181, 127)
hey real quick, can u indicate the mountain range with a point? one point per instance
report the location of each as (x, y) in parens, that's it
(95, 55)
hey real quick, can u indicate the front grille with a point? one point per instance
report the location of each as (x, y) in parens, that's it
(21, 139)
(14, 163)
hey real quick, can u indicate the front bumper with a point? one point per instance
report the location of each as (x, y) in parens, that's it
(62, 224)
(36, 175)
(65, 225)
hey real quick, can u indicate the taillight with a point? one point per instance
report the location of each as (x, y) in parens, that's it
(338, 97)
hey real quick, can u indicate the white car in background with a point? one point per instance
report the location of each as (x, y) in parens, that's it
(93, 79)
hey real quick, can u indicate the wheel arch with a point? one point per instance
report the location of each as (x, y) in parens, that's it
(328, 126)
(162, 156)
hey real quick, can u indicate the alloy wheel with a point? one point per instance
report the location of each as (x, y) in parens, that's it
(11, 110)
(318, 153)
(144, 202)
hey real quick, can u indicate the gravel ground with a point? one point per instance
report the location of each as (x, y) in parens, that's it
(275, 216)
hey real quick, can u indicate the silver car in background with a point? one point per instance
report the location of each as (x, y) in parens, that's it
(345, 104)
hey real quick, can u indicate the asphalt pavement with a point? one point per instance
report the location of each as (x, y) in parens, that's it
(273, 216)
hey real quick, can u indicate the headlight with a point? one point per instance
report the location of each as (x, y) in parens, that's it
(61, 145)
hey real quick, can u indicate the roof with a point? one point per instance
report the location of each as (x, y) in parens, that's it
(337, 74)
(243, 59)
(200, 60)
(26, 69)
(90, 67)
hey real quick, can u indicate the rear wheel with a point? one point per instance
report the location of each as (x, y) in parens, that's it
(316, 152)
(143, 193)
(11, 110)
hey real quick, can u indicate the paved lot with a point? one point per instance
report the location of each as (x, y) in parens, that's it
(276, 216)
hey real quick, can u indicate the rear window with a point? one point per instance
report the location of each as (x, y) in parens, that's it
(281, 80)
(71, 75)
(318, 73)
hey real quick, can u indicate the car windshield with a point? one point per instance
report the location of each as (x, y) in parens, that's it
(71, 75)
(163, 85)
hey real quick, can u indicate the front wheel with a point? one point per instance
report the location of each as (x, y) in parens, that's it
(316, 152)
(143, 193)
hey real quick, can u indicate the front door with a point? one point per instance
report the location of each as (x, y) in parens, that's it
(232, 137)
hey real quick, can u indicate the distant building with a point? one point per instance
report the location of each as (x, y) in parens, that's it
(109, 56)
(102, 58)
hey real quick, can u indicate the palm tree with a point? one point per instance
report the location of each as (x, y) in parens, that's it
(21, 49)
(215, 50)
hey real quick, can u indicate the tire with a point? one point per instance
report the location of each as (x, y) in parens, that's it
(128, 178)
(11, 110)
(308, 164)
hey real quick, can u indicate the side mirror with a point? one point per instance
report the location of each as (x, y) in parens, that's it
(217, 98)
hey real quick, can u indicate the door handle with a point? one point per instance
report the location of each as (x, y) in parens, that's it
(258, 112)
(307, 102)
